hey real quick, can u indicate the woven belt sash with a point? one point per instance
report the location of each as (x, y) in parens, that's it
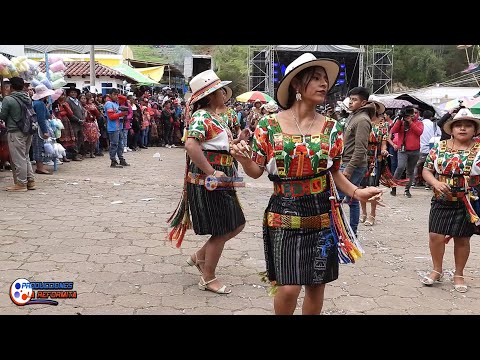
(459, 181)
(215, 158)
(297, 188)
(211, 182)
(452, 196)
(297, 222)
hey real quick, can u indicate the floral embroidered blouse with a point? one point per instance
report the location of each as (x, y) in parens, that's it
(378, 134)
(288, 155)
(447, 161)
(212, 132)
(230, 118)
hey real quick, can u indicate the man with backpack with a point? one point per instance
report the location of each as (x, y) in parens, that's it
(15, 110)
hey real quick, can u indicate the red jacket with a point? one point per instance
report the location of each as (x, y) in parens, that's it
(412, 141)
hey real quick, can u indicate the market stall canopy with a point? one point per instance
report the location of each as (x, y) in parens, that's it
(422, 105)
(155, 72)
(133, 73)
(391, 103)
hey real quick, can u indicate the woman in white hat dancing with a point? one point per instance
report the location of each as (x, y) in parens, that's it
(215, 211)
(300, 149)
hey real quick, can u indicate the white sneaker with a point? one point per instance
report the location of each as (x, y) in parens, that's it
(128, 149)
(50, 163)
(172, 146)
(125, 150)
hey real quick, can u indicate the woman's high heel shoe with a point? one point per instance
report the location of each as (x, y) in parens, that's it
(426, 280)
(203, 285)
(461, 288)
(195, 262)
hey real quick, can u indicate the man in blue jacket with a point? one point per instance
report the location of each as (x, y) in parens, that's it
(114, 126)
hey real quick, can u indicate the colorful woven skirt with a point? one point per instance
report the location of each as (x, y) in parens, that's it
(214, 212)
(296, 255)
(450, 218)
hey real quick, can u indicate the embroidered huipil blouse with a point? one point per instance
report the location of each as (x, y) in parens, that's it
(289, 155)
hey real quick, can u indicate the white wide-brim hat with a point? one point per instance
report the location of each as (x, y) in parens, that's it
(206, 83)
(332, 68)
(42, 91)
(379, 107)
(463, 114)
(271, 106)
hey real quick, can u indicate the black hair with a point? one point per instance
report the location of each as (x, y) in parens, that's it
(389, 113)
(200, 104)
(362, 92)
(17, 83)
(427, 114)
(408, 111)
(114, 91)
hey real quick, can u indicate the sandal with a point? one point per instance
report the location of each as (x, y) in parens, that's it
(370, 221)
(461, 288)
(203, 285)
(363, 217)
(195, 262)
(426, 280)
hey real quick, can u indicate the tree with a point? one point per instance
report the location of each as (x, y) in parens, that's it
(417, 66)
(231, 64)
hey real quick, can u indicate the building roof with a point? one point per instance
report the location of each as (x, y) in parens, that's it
(131, 72)
(170, 69)
(82, 68)
(79, 49)
(319, 48)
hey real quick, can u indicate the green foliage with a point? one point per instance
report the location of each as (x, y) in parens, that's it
(231, 64)
(417, 66)
(413, 65)
(147, 53)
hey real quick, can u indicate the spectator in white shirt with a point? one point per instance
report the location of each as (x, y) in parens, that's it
(430, 135)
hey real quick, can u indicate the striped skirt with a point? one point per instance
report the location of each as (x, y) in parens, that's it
(300, 256)
(450, 218)
(37, 146)
(215, 212)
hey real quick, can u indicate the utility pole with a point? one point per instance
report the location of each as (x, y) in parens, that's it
(92, 66)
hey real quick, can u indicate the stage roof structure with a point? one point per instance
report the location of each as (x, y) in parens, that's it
(319, 48)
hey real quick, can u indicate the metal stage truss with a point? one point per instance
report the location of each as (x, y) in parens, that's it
(264, 76)
(260, 68)
(377, 67)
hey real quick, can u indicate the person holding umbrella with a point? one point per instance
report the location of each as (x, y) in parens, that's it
(300, 149)
(255, 115)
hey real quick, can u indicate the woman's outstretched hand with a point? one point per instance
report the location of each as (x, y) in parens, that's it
(241, 150)
(370, 194)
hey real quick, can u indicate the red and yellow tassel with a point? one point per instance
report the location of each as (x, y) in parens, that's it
(180, 219)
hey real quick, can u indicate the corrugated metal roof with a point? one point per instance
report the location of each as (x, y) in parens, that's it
(80, 49)
(82, 68)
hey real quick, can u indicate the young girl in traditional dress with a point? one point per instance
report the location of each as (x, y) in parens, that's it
(457, 163)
